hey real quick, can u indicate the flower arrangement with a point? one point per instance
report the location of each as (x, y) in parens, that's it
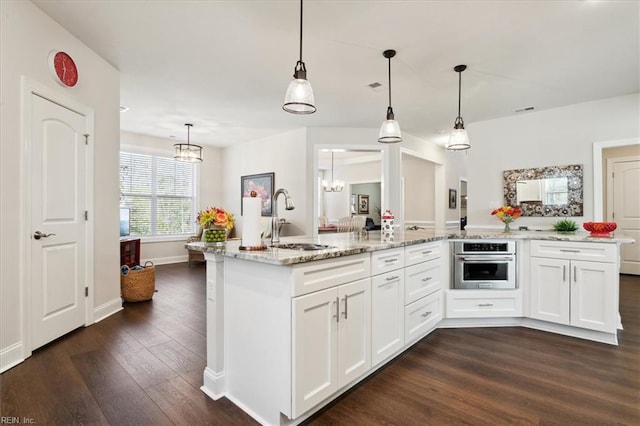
(507, 214)
(214, 216)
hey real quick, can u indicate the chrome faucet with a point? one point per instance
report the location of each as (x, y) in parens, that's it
(275, 222)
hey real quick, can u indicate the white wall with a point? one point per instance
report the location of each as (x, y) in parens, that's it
(419, 189)
(558, 136)
(27, 36)
(209, 192)
(283, 154)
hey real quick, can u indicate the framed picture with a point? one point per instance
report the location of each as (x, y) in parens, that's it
(363, 204)
(452, 198)
(263, 185)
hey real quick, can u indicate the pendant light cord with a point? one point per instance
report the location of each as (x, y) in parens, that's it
(459, 90)
(389, 82)
(300, 30)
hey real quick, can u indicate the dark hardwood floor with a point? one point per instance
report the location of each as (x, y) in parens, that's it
(144, 366)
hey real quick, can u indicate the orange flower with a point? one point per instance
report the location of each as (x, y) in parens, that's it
(215, 216)
(507, 214)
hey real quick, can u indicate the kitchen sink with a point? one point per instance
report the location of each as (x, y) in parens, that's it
(301, 246)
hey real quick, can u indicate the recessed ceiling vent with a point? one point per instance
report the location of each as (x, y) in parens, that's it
(524, 109)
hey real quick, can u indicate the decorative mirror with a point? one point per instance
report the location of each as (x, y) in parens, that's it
(545, 191)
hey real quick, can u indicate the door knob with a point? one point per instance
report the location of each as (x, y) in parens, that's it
(37, 235)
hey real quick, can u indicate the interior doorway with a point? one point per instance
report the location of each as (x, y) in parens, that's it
(57, 233)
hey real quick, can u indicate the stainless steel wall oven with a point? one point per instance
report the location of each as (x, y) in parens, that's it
(484, 264)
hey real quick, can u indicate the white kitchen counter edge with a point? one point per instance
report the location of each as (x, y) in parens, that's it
(345, 244)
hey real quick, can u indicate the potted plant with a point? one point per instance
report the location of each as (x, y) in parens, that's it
(565, 225)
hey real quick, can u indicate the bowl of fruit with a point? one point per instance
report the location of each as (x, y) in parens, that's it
(600, 229)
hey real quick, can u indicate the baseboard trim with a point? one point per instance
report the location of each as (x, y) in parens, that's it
(213, 384)
(166, 260)
(107, 309)
(11, 356)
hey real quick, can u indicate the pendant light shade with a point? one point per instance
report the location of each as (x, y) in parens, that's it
(299, 97)
(336, 185)
(390, 129)
(188, 152)
(459, 140)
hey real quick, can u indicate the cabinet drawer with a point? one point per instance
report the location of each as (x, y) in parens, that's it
(597, 252)
(314, 276)
(484, 303)
(387, 260)
(421, 316)
(421, 280)
(422, 252)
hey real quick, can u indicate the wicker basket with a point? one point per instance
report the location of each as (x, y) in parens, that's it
(138, 285)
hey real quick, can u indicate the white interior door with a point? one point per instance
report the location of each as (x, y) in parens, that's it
(626, 211)
(58, 227)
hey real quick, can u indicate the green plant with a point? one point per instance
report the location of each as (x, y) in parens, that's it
(565, 225)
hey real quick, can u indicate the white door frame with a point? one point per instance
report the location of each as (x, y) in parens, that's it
(598, 184)
(30, 88)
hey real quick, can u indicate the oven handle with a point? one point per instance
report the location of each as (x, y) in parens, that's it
(485, 259)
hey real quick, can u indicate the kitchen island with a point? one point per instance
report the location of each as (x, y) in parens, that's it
(290, 330)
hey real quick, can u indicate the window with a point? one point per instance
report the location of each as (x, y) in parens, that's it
(160, 193)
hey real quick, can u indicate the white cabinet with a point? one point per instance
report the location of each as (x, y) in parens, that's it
(566, 289)
(484, 303)
(331, 341)
(423, 290)
(387, 303)
(387, 319)
(422, 279)
(422, 316)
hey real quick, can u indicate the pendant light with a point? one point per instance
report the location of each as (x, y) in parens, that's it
(390, 129)
(188, 152)
(336, 185)
(459, 140)
(299, 98)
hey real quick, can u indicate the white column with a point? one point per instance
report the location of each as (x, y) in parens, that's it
(214, 381)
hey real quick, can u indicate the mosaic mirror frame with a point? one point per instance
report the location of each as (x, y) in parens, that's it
(574, 205)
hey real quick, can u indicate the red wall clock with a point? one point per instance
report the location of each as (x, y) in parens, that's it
(63, 68)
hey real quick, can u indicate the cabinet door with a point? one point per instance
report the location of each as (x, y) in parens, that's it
(594, 295)
(387, 315)
(315, 348)
(550, 289)
(354, 330)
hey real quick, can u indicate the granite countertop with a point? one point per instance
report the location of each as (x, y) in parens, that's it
(345, 244)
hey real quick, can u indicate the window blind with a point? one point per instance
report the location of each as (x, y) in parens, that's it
(160, 193)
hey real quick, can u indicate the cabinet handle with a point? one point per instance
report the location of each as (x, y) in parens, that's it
(393, 278)
(345, 306)
(337, 304)
(564, 273)
(391, 260)
(426, 314)
(569, 251)
(575, 273)
(485, 304)
(427, 252)
(426, 279)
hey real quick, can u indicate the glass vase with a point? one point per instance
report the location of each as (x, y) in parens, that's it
(507, 227)
(214, 236)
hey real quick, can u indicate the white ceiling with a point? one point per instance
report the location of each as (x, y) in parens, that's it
(225, 65)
